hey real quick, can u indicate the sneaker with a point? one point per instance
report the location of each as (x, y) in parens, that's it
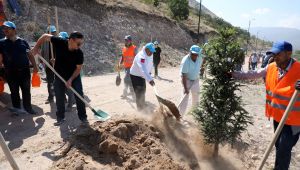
(49, 101)
(59, 122)
(17, 111)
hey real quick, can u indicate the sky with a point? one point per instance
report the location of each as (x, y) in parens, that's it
(261, 13)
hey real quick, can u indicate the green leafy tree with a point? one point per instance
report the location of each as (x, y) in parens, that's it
(179, 9)
(156, 3)
(220, 114)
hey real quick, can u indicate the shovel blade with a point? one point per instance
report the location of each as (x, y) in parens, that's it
(170, 105)
(118, 80)
(101, 115)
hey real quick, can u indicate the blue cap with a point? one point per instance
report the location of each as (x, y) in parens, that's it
(128, 37)
(9, 24)
(63, 35)
(280, 46)
(151, 47)
(195, 49)
(51, 29)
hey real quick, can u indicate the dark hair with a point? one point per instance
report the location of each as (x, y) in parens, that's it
(75, 35)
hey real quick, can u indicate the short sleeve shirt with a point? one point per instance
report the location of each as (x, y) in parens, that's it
(15, 54)
(191, 68)
(66, 60)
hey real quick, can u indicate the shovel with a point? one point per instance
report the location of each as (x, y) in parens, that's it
(101, 115)
(185, 95)
(170, 105)
(118, 78)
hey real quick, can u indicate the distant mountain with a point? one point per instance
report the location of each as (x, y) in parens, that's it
(291, 35)
(195, 5)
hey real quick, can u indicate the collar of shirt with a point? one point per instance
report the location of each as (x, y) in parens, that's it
(282, 72)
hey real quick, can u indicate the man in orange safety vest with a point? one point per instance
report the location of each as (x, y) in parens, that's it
(129, 51)
(282, 79)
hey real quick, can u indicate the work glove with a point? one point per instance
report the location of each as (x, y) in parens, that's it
(297, 85)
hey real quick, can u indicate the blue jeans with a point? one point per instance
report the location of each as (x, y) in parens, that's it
(60, 90)
(284, 145)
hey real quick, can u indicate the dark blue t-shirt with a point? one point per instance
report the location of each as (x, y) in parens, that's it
(15, 54)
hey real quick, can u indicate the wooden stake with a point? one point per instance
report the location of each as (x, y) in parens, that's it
(51, 45)
(56, 20)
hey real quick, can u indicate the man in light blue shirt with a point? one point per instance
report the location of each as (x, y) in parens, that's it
(190, 71)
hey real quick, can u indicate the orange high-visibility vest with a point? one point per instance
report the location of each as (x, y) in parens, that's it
(128, 55)
(279, 93)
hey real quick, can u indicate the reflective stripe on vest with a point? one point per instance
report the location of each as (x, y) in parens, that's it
(279, 93)
(279, 96)
(128, 55)
(281, 106)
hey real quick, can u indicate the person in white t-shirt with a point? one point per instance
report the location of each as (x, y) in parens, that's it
(140, 73)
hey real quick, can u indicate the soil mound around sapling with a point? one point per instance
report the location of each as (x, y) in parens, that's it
(117, 144)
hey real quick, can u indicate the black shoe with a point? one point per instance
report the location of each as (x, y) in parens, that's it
(59, 122)
(32, 112)
(84, 122)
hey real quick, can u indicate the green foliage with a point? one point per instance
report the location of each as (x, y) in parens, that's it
(179, 9)
(156, 3)
(220, 113)
(148, 1)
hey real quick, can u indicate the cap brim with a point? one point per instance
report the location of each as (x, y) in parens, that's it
(275, 50)
(194, 52)
(7, 26)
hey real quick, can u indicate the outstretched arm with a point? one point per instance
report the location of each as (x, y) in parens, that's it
(41, 40)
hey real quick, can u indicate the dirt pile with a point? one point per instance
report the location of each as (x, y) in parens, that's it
(118, 144)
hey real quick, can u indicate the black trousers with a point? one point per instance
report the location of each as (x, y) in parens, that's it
(284, 145)
(60, 91)
(156, 63)
(50, 85)
(139, 87)
(19, 79)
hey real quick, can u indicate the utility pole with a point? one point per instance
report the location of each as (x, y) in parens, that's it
(248, 39)
(256, 41)
(249, 35)
(200, 5)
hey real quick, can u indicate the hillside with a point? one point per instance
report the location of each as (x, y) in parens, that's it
(196, 5)
(105, 23)
(278, 33)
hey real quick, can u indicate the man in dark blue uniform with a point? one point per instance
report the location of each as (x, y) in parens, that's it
(15, 57)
